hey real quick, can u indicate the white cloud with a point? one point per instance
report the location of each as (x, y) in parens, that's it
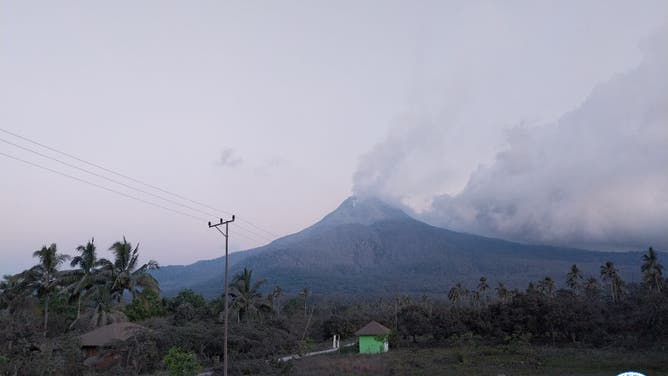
(228, 158)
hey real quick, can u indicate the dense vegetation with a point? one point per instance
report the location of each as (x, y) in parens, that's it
(43, 311)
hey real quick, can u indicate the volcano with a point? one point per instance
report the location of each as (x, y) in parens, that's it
(367, 246)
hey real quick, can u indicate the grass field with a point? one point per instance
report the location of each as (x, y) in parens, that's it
(487, 360)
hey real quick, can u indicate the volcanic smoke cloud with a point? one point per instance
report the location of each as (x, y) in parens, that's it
(598, 177)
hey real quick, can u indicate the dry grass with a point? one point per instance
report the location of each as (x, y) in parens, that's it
(485, 361)
(344, 364)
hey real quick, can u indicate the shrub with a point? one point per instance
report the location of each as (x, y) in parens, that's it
(181, 363)
(184, 313)
(145, 305)
(188, 296)
(393, 339)
(4, 364)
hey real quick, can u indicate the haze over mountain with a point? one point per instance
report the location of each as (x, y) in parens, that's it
(594, 178)
(368, 246)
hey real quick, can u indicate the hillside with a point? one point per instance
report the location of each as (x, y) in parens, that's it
(367, 246)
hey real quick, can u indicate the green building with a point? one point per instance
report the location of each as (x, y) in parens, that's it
(372, 338)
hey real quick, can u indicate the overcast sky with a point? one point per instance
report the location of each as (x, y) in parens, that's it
(278, 111)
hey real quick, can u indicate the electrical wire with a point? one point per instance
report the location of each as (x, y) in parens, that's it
(263, 237)
(198, 219)
(273, 235)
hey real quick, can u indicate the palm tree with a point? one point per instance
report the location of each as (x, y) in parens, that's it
(502, 292)
(591, 287)
(87, 259)
(87, 275)
(652, 271)
(574, 279)
(47, 270)
(546, 286)
(125, 273)
(618, 284)
(475, 298)
(483, 286)
(531, 288)
(246, 296)
(305, 293)
(610, 274)
(276, 297)
(454, 293)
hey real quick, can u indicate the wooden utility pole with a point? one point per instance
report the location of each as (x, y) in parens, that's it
(226, 234)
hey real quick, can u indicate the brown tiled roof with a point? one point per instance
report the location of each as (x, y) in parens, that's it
(107, 334)
(372, 329)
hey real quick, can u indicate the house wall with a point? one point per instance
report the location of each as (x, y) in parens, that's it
(90, 351)
(372, 344)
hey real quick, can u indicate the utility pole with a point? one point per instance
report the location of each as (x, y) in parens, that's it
(226, 234)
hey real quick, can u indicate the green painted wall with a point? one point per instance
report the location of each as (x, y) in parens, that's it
(371, 344)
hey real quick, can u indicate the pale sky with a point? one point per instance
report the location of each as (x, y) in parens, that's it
(268, 109)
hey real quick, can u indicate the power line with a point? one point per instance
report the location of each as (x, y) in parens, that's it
(198, 219)
(263, 238)
(103, 177)
(136, 180)
(98, 186)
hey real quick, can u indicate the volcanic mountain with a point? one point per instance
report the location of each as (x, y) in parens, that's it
(366, 246)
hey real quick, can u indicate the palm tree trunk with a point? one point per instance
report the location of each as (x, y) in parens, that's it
(657, 282)
(614, 291)
(78, 312)
(46, 315)
(617, 289)
(396, 313)
(308, 323)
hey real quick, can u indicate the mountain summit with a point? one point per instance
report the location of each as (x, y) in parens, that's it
(366, 246)
(363, 211)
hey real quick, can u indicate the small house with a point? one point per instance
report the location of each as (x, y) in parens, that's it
(373, 338)
(94, 342)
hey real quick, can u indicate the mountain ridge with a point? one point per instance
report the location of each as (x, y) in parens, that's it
(367, 246)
